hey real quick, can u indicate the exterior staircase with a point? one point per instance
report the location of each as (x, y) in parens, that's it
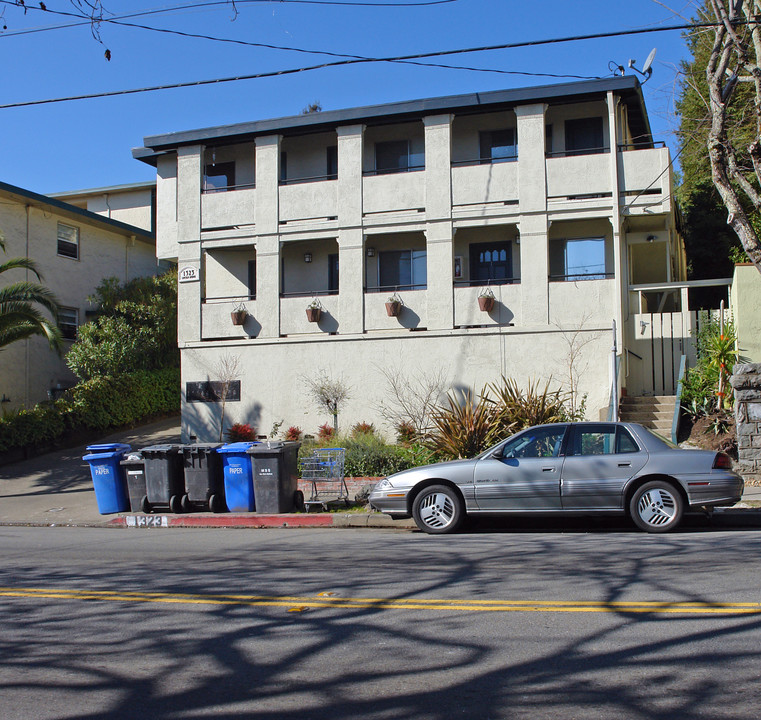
(655, 412)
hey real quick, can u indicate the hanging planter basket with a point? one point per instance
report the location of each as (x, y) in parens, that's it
(393, 308)
(314, 314)
(485, 303)
(239, 315)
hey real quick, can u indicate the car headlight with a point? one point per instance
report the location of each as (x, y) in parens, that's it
(384, 484)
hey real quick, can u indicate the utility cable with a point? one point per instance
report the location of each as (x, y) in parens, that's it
(354, 61)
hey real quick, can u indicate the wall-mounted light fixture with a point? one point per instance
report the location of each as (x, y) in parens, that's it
(370, 252)
(5, 399)
(650, 238)
(307, 257)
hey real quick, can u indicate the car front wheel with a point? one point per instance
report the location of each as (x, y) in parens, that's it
(656, 507)
(437, 510)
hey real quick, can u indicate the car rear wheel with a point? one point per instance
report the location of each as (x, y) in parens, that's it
(437, 510)
(656, 507)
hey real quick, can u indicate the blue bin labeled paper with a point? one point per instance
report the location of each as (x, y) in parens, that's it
(107, 479)
(238, 476)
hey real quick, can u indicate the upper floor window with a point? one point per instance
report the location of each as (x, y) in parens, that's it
(498, 146)
(403, 269)
(333, 273)
(68, 241)
(332, 162)
(283, 166)
(218, 177)
(578, 259)
(584, 136)
(68, 321)
(491, 263)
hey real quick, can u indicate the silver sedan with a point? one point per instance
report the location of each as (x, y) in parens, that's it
(570, 468)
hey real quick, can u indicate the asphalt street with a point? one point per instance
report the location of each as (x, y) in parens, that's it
(577, 620)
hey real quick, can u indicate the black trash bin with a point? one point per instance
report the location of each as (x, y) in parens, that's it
(164, 477)
(133, 467)
(204, 480)
(276, 477)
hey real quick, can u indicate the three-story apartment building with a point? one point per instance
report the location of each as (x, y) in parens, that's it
(554, 198)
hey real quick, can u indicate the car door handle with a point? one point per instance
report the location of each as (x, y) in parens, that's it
(624, 464)
(548, 469)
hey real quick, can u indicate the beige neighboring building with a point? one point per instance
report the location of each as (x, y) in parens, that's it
(74, 249)
(556, 198)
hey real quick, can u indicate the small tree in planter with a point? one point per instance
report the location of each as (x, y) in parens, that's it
(486, 300)
(394, 305)
(328, 393)
(314, 311)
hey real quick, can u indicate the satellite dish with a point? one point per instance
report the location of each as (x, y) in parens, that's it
(646, 69)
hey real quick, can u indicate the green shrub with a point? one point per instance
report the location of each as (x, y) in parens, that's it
(102, 403)
(370, 456)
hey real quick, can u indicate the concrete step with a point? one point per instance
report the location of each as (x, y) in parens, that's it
(642, 416)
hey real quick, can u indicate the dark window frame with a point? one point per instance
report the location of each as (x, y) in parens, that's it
(477, 249)
(224, 170)
(489, 140)
(68, 248)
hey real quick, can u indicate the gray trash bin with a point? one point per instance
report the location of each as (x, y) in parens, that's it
(276, 477)
(204, 481)
(164, 477)
(133, 467)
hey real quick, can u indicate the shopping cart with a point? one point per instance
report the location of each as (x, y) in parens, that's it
(324, 468)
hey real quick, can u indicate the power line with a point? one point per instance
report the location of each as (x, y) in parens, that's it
(89, 20)
(410, 59)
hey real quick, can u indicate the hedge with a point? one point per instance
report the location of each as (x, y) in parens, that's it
(102, 403)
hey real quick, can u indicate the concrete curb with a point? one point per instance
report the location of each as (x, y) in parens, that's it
(254, 521)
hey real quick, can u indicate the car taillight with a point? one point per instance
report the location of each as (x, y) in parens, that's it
(722, 462)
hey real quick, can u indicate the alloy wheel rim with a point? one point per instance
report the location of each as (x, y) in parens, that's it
(437, 511)
(657, 507)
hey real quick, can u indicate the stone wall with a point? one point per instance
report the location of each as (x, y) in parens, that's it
(746, 382)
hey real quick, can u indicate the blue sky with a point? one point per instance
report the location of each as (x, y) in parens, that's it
(87, 143)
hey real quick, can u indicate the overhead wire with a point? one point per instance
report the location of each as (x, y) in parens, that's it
(353, 60)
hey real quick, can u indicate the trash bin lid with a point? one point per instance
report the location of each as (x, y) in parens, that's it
(105, 447)
(238, 447)
(201, 447)
(103, 455)
(166, 449)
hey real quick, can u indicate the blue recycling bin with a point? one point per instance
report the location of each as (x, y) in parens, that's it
(107, 479)
(238, 476)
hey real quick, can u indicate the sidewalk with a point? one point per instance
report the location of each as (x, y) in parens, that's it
(56, 489)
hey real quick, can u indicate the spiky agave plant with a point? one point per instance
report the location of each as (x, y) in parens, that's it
(463, 427)
(515, 409)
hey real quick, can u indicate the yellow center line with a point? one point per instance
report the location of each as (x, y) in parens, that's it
(322, 600)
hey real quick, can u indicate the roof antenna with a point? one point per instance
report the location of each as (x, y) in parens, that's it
(647, 69)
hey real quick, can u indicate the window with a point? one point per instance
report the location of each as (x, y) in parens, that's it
(498, 146)
(579, 259)
(333, 273)
(68, 321)
(332, 162)
(218, 177)
(68, 241)
(402, 269)
(601, 440)
(491, 262)
(536, 443)
(584, 136)
(252, 279)
(393, 156)
(283, 167)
